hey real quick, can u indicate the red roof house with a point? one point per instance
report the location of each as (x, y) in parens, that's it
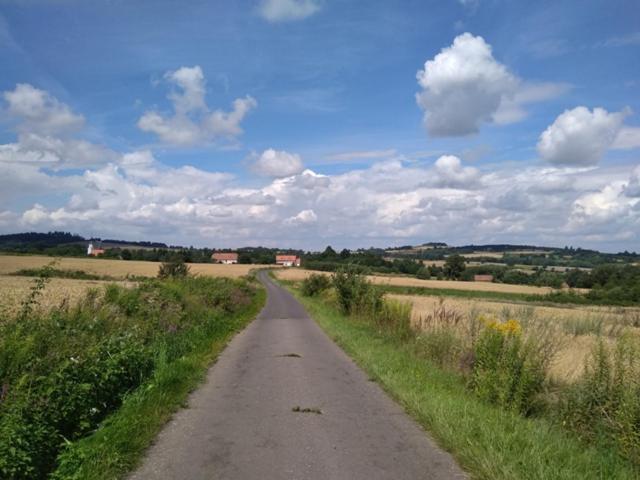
(288, 260)
(225, 257)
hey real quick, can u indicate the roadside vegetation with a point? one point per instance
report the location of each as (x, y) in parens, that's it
(481, 384)
(86, 386)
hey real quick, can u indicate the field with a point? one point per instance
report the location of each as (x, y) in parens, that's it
(299, 274)
(14, 289)
(117, 268)
(577, 327)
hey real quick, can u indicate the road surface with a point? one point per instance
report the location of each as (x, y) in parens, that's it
(241, 423)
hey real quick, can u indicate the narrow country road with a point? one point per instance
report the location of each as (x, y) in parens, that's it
(240, 423)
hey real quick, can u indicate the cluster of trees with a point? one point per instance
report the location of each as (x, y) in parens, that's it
(618, 283)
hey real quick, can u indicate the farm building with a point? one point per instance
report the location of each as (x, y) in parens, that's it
(483, 278)
(224, 257)
(93, 251)
(288, 260)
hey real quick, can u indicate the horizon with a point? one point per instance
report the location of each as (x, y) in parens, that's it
(314, 122)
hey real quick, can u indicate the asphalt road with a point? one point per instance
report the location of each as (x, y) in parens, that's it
(241, 423)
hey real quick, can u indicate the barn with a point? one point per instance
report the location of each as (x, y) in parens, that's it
(288, 260)
(227, 258)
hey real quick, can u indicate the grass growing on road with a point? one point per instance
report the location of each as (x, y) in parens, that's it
(489, 442)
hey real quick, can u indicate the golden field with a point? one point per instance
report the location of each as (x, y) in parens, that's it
(296, 274)
(13, 290)
(573, 325)
(117, 268)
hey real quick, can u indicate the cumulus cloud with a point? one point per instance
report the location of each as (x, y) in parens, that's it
(632, 189)
(463, 86)
(580, 136)
(46, 133)
(192, 123)
(451, 173)
(304, 217)
(287, 10)
(37, 111)
(277, 163)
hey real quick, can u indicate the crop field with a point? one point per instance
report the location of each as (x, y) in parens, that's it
(300, 274)
(13, 291)
(576, 328)
(118, 268)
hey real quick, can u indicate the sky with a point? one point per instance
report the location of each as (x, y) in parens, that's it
(304, 123)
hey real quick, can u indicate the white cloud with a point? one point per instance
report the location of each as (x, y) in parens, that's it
(463, 86)
(192, 123)
(361, 155)
(288, 10)
(623, 41)
(45, 133)
(580, 136)
(277, 163)
(512, 108)
(628, 138)
(632, 189)
(302, 218)
(452, 174)
(37, 111)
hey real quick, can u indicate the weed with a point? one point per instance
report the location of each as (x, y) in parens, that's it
(299, 409)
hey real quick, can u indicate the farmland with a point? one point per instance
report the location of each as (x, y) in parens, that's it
(14, 289)
(402, 281)
(118, 269)
(577, 327)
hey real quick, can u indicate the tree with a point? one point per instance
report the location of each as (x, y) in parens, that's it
(454, 266)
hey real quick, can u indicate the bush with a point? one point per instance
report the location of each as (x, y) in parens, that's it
(173, 269)
(314, 284)
(355, 293)
(605, 401)
(508, 369)
(63, 372)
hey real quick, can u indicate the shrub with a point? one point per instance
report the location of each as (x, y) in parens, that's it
(441, 346)
(63, 372)
(175, 268)
(605, 401)
(355, 293)
(314, 284)
(508, 369)
(395, 317)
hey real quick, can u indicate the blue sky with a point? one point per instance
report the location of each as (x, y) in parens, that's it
(523, 126)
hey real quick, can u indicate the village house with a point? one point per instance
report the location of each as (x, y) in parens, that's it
(93, 251)
(227, 258)
(288, 260)
(483, 278)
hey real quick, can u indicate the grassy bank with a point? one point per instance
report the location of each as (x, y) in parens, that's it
(86, 388)
(488, 441)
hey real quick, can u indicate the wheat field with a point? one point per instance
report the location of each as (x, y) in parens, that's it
(576, 327)
(296, 274)
(118, 268)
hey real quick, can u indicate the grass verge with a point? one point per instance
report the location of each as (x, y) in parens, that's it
(488, 442)
(117, 446)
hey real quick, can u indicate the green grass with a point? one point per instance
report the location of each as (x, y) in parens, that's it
(118, 445)
(488, 442)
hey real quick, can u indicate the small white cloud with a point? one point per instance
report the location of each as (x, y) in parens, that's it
(580, 136)
(628, 138)
(623, 41)
(512, 108)
(192, 123)
(362, 155)
(302, 218)
(452, 174)
(288, 10)
(37, 111)
(463, 86)
(632, 189)
(277, 163)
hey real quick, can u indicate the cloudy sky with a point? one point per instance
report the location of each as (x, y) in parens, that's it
(304, 123)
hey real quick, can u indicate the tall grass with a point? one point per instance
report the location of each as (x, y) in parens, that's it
(65, 371)
(505, 362)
